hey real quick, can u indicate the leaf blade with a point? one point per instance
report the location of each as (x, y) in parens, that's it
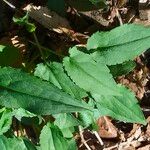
(5, 121)
(51, 138)
(88, 74)
(122, 69)
(56, 75)
(19, 89)
(121, 44)
(124, 107)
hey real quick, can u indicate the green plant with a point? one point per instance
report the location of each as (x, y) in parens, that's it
(83, 83)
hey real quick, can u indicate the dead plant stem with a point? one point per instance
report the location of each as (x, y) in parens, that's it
(98, 137)
(118, 16)
(82, 138)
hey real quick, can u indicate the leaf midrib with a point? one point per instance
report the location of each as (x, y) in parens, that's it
(61, 102)
(89, 74)
(108, 47)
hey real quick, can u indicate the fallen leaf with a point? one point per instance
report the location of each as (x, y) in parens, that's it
(148, 127)
(147, 147)
(106, 128)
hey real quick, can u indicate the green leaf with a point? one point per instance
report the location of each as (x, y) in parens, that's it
(44, 72)
(123, 108)
(87, 118)
(19, 89)
(121, 44)
(51, 138)
(88, 74)
(56, 75)
(118, 36)
(122, 69)
(30, 27)
(24, 22)
(14, 144)
(65, 121)
(19, 113)
(67, 132)
(7, 51)
(5, 120)
(72, 144)
(29, 145)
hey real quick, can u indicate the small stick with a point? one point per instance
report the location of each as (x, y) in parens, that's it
(112, 147)
(39, 47)
(9, 4)
(82, 138)
(47, 49)
(131, 19)
(98, 137)
(119, 17)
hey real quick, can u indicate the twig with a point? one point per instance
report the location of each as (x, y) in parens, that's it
(131, 19)
(39, 47)
(119, 16)
(98, 137)
(146, 109)
(47, 49)
(82, 138)
(9, 4)
(112, 147)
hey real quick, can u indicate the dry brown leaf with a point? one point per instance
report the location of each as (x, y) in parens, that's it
(148, 127)
(106, 128)
(17, 42)
(147, 147)
(135, 132)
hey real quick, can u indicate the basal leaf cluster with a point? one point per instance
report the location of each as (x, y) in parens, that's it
(74, 92)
